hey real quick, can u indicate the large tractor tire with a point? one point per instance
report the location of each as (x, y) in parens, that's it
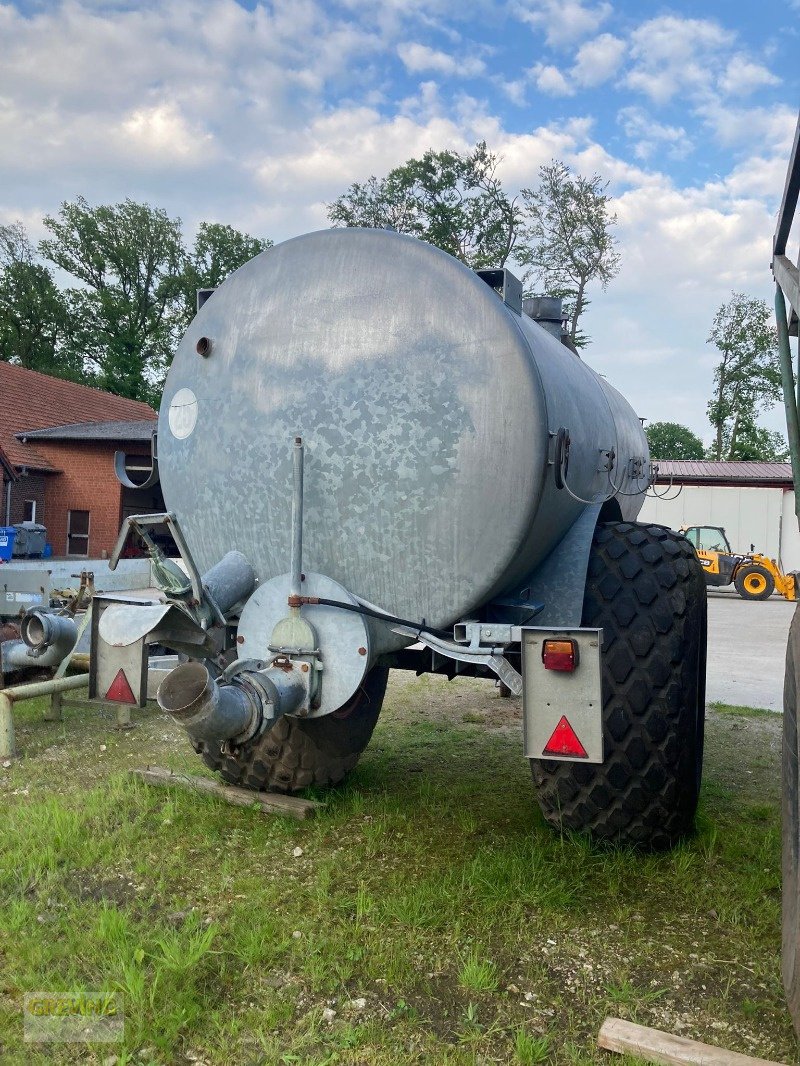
(754, 582)
(791, 825)
(645, 589)
(296, 752)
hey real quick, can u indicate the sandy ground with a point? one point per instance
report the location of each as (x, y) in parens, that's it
(747, 649)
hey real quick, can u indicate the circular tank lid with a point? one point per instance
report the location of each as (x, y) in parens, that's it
(416, 397)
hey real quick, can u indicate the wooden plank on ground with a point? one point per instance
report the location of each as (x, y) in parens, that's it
(654, 1046)
(269, 802)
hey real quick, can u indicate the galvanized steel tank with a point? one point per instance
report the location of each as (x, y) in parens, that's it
(427, 408)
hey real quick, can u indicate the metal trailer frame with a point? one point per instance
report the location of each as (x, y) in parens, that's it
(787, 288)
(787, 291)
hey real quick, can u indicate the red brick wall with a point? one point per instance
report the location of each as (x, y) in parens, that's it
(87, 483)
(32, 487)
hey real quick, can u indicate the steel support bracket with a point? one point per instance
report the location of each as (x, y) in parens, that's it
(491, 657)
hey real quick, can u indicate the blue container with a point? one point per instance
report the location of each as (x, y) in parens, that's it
(7, 535)
(48, 551)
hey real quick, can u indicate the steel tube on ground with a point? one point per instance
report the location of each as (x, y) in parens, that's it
(206, 710)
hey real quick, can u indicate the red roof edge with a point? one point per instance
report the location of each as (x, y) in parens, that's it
(9, 473)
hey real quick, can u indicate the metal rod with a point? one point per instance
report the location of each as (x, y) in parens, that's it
(297, 517)
(789, 395)
(10, 696)
(790, 195)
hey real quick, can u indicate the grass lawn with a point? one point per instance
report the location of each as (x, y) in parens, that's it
(427, 915)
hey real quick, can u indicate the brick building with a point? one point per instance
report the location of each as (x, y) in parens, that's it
(59, 440)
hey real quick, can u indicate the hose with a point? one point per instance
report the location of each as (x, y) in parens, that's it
(357, 608)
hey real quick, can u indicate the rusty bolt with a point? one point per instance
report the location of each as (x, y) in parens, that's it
(362, 651)
(240, 639)
(304, 667)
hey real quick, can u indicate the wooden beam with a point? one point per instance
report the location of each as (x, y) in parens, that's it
(788, 277)
(268, 802)
(652, 1045)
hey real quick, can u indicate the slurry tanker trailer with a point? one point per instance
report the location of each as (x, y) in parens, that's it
(373, 457)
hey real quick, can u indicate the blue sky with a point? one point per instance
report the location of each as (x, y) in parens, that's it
(260, 114)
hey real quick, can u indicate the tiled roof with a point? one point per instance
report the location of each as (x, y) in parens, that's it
(30, 401)
(724, 473)
(119, 431)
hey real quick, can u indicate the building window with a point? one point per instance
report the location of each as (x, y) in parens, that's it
(29, 511)
(78, 533)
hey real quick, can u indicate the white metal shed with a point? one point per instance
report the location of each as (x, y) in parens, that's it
(753, 502)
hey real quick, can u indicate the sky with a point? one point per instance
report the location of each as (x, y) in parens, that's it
(260, 114)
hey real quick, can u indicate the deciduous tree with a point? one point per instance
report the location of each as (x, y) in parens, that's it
(34, 317)
(453, 200)
(567, 241)
(670, 440)
(218, 251)
(747, 378)
(756, 444)
(128, 258)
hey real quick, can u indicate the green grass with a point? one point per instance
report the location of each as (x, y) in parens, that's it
(741, 712)
(432, 916)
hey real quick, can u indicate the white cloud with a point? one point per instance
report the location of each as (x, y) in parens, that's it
(766, 129)
(563, 21)
(650, 137)
(161, 133)
(742, 77)
(598, 60)
(418, 58)
(674, 55)
(549, 80)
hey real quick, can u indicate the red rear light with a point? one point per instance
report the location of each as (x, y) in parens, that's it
(560, 655)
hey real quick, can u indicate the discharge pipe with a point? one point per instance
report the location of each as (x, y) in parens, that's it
(231, 711)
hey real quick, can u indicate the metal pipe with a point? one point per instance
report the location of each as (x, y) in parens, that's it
(297, 517)
(18, 693)
(47, 639)
(789, 394)
(230, 580)
(44, 632)
(206, 710)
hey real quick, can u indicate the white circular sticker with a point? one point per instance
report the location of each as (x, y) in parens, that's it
(183, 413)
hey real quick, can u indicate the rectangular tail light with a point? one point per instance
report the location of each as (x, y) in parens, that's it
(560, 655)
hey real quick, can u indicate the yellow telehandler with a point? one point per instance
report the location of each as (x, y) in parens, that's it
(754, 576)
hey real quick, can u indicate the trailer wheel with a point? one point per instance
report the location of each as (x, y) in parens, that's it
(754, 582)
(645, 588)
(790, 953)
(296, 752)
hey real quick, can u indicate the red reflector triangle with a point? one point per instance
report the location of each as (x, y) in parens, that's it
(119, 690)
(564, 741)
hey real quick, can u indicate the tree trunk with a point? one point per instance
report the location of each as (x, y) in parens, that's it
(576, 314)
